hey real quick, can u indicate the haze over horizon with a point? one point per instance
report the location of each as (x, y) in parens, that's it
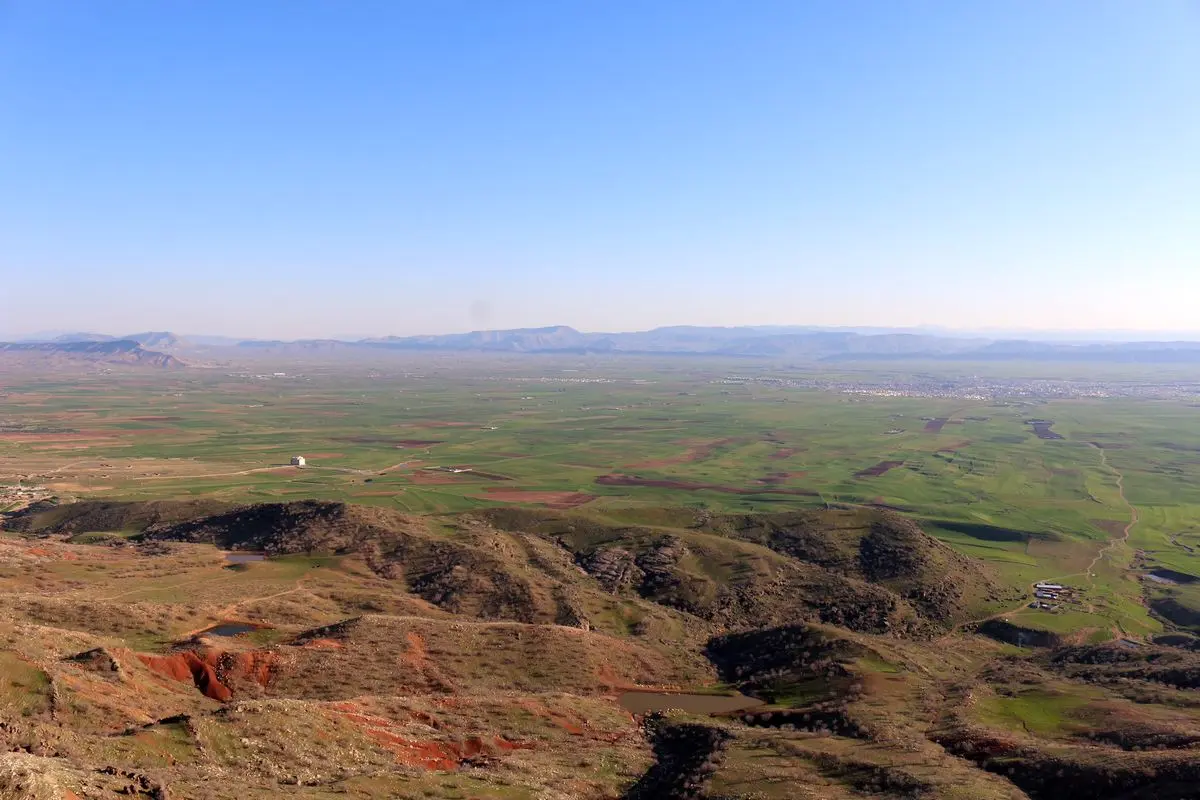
(303, 169)
(1081, 336)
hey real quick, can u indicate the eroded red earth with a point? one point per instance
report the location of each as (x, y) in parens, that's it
(424, 753)
(211, 670)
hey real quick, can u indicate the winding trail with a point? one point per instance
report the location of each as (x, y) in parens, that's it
(272, 468)
(1125, 532)
(232, 607)
(184, 477)
(1133, 514)
(152, 588)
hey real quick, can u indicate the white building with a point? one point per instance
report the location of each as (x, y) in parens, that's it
(298, 461)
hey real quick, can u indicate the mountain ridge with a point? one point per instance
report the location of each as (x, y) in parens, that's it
(791, 342)
(115, 351)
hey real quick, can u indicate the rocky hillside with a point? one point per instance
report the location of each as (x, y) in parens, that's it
(360, 652)
(864, 569)
(119, 351)
(868, 571)
(303, 526)
(48, 518)
(877, 546)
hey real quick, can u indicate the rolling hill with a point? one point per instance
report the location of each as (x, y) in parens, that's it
(311, 648)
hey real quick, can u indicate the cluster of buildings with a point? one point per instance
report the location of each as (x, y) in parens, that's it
(13, 498)
(1048, 595)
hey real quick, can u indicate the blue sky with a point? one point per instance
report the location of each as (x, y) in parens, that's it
(302, 168)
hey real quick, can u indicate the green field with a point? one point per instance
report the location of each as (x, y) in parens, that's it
(636, 437)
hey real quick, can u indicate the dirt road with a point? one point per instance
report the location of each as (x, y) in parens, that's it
(1133, 516)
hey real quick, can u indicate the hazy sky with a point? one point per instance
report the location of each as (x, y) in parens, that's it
(302, 168)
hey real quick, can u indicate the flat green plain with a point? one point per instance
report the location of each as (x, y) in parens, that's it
(642, 438)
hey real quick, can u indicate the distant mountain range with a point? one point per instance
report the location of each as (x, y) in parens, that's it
(109, 351)
(157, 340)
(773, 342)
(764, 342)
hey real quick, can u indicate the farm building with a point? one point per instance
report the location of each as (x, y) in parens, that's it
(1050, 587)
(298, 461)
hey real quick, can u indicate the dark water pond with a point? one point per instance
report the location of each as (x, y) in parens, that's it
(1170, 576)
(1042, 428)
(645, 702)
(228, 629)
(244, 558)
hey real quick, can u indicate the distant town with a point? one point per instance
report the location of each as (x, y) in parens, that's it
(981, 388)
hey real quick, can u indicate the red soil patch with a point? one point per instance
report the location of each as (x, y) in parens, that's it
(60, 555)
(687, 486)
(783, 452)
(81, 436)
(936, 425)
(432, 477)
(559, 500)
(575, 726)
(404, 443)
(464, 472)
(432, 755)
(775, 478)
(879, 469)
(323, 644)
(697, 452)
(417, 654)
(212, 670)
(187, 667)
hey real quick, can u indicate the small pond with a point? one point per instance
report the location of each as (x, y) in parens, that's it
(1170, 577)
(244, 558)
(645, 702)
(229, 629)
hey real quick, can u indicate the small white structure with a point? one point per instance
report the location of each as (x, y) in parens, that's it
(298, 461)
